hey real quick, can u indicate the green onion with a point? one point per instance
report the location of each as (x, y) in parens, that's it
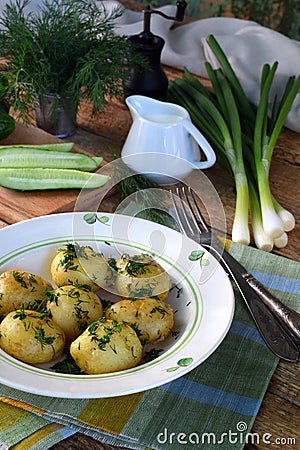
(226, 137)
(262, 240)
(243, 137)
(272, 223)
(288, 219)
(281, 241)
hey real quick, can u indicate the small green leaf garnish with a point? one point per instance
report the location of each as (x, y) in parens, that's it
(90, 218)
(183, 362)
(103, 219)
(195, 255)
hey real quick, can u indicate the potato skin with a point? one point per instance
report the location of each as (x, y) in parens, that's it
(19, 287)
(140, 276)
(73, 309)
(80, 265)
(106, 346)
(152, 319)
(29, 338)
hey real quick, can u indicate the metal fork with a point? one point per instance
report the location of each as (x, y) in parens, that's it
(278, 324)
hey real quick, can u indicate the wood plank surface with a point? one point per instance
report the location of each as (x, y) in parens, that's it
(103, 134)
(17, 205)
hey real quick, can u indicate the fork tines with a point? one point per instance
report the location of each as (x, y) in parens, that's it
(188, 214)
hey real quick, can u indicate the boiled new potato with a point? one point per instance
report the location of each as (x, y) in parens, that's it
(73, 309)
(18, 287)
(140, 276)
(106, 346)
(31, 338)
(75, 264)
(152, 319)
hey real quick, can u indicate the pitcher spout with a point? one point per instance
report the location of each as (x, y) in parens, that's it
(140, 106)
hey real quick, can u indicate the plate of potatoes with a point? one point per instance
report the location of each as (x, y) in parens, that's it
(100, 305)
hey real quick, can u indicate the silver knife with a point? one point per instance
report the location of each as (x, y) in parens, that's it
(276, 330)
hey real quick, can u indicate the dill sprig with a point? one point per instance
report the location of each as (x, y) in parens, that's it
(66, 48)
(145, 198)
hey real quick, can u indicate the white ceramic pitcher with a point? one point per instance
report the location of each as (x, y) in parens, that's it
(162, 141)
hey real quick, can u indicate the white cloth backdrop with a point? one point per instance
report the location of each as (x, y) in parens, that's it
(247, 45)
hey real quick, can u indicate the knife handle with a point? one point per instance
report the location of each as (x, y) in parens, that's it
(290, 317)
(269, 324)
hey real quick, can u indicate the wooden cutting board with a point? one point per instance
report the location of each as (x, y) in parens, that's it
(17, 205)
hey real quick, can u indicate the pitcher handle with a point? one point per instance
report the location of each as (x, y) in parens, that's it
(203, 144)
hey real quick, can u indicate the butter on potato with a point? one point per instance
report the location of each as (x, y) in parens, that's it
(30, 337)
(140, 276)
(75, 264)
(18, 287)
(73, 309)
(152, 319)
(106, 346)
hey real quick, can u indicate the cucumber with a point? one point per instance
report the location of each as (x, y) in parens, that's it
(14, 158)
(41, 179)
(56, 146)
(7, 124)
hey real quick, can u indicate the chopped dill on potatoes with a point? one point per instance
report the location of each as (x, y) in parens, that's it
(19, 277)
(83, 286)
(134, 326)
(151, 354)
(51, 296)
(178, 289)
(136, 267)
(112, 262)
(70, 252)
(68, 365)
(41, 337)
(102, 341)
(106, 303)
(174, 334)
(159, 309)
(22, 313)
(93, 335)
(37, 305)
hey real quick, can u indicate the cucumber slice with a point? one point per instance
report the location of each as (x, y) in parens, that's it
(14, 158)
(42, 179)
(56, 146)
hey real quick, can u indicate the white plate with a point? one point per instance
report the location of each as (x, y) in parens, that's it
(203, 298)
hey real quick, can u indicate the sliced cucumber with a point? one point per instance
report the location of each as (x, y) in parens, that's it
(14, 158)
(42, 179)
(56, 146)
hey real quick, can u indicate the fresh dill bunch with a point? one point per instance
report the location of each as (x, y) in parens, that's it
(65, 48)
(141, 186)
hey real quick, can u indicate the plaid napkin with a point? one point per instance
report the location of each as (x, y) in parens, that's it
(214, 404)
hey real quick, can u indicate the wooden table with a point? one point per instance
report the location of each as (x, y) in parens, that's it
(104, 134)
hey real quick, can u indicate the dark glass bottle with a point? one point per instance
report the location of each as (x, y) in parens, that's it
(150, 81)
